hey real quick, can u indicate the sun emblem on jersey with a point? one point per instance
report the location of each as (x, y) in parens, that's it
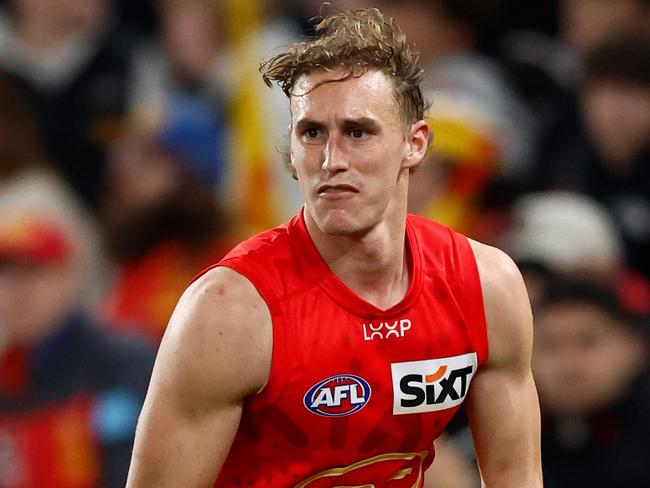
(338, 396)
(397, 469)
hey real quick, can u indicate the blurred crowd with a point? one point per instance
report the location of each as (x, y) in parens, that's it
(138, 144)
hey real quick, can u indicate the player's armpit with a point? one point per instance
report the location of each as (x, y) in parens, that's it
(502, 403)
(216, 351)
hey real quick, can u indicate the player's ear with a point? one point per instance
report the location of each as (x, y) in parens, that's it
(286, 152)
(289, 165)
(417, 139)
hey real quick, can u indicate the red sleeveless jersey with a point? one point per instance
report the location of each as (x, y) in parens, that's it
(356, 394)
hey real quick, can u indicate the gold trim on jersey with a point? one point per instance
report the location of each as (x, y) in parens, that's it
(401, 474)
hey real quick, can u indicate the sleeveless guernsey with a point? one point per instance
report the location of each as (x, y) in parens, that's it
(356, 394)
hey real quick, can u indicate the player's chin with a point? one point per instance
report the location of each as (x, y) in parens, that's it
(340, 223)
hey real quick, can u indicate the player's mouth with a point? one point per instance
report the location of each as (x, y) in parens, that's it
(335, 192)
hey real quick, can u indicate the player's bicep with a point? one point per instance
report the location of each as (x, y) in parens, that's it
(215, 353)
(502, 403)
(504, 416)
(175, 449)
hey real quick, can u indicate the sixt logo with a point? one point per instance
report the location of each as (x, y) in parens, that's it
(338, 396)
(433, 384)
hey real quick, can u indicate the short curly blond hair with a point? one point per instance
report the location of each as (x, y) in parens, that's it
(359, 40)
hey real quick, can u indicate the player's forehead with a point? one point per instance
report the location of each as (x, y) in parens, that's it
(369, 79)
(370, 93)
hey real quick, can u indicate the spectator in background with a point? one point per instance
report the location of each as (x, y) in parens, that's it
(70, 392)
(615, 106)
(618, 67)
(549, 73)
(481, 130)
(185, 58)
(585, 24)
(548, 69)
(568, 233)
(559, 233)
(71, 59)
(591, 369)
(164, 222)
(604, 150)
(213, 50)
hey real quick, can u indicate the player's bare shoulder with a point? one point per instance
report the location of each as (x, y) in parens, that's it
(216, 351)
(507, 308)
(220, 329)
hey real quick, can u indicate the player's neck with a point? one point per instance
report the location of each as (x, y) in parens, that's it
(375, 266)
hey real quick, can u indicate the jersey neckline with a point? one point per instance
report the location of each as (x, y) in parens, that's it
(315, 267)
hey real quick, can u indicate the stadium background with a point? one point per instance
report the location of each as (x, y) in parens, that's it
(138, 144)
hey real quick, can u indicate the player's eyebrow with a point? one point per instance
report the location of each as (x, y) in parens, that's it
(366, 123)
(306, 123)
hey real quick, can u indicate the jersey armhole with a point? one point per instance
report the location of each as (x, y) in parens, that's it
(473, 290)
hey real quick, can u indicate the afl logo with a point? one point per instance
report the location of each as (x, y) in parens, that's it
(338, 396)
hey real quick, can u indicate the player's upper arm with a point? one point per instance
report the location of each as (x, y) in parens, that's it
(502, 405)
(215, 352)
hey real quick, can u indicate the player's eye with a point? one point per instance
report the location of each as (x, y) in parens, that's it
(312, 132)
(357, 133)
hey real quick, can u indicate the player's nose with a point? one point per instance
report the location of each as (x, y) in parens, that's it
(335, 158)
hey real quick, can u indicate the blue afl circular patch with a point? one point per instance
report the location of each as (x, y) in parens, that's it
(338, 396)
